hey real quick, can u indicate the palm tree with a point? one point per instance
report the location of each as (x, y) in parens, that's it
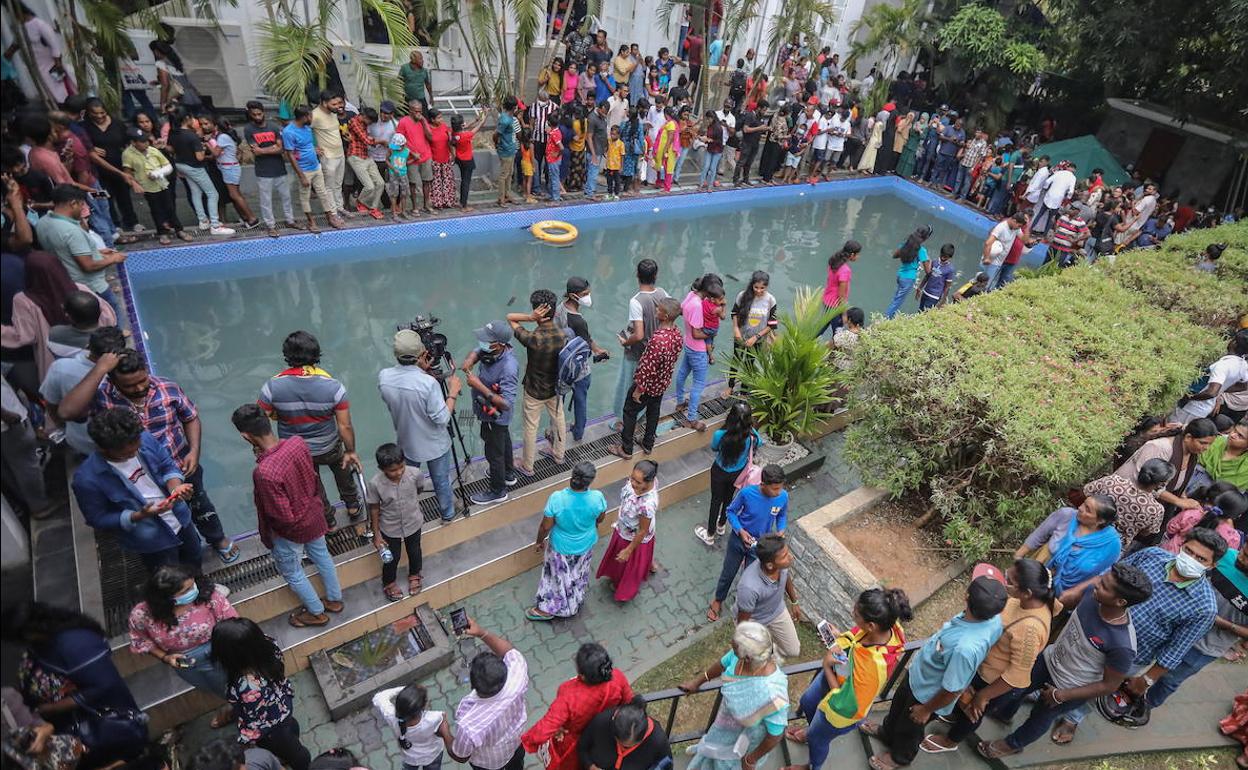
(738, 14)
(797, 19)
(896, 31)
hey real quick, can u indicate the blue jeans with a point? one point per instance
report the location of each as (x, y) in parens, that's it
(1006, 275)
(436, 764)
(963, 184)
(108, 296)
(946, 170)
(206, 674)
(286, 556)
(591, 173)
(692, 362)
(993, 272)
(580, 406)
(186, 552)
(1192, 662)
(101, 218)
(709, 168)
(552, 173)
(904, 287)
(439, 469)
(999, 198)
(820, 732)
(628, 368)
(1041, 717)
(736, 555)
(201, 187)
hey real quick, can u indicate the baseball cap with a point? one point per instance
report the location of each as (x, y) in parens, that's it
(407, 344)
(137, 135)
(398, 142)
(984, 569)
(386, 106)
(576, 285)
(986, 595)
(494, 331)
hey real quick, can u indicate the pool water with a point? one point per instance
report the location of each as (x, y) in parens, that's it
(217, 330)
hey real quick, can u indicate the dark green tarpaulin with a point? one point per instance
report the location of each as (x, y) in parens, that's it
(1086, 153)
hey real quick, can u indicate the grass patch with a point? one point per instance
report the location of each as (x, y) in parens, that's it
(1201, 759)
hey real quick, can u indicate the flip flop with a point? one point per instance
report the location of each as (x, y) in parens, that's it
(713, 615)
(392, 593)
(533, 614)
(928, 746)
(867, 727)
(877, 763)
(221, 719)
(414, 584)
(1063, 734)
(230, 554)
(986, 750)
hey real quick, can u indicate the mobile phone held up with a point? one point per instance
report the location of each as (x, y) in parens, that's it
(827, 635)
(459, 621)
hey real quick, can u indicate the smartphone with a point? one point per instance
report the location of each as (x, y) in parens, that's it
(100, 194)
(827, 634)
(459, 621)
(185, 662)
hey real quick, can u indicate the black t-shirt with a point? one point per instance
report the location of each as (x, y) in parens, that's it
(1105, 237)
(598, 127)
(678, 94)
(185, 144)
(576, 322)
(749, 119)
(111, 140)
(264, 137)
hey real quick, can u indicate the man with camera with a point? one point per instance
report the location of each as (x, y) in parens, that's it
(421, 413)
(494, 387)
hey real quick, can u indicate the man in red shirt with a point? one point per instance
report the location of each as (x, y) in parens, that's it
(415, 127)
(289, 514)
(654, 374)
(1184, 215)
(694, 45)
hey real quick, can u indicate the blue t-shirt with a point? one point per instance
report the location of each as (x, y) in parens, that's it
(942, 273)
(576, 520)
(603, 87)
(910, 270)
(950, 657)
(298, 140)
(757, 513)
(506, 136)
(954, 133)
(734, 464)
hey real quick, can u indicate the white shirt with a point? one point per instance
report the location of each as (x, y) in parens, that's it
(840, 129)
(1005, 235)
(820, 142)
(422, 737)
(728, 119)
(151, 492)
(1037, 184)
(654, 121)
(1228, 371)
(617, 110)
(11, 402)
(1061, 186)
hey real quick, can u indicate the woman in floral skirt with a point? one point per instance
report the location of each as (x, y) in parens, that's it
(443, 194)
(570, 521)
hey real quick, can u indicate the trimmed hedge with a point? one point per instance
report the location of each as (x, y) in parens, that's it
(992, 407)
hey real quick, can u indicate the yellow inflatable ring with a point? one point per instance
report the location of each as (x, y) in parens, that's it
(554, 231)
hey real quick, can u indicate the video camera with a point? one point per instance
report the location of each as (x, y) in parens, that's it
(434, 342)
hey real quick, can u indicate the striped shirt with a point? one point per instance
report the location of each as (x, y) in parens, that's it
(487, 730)
(1067, 231)
(304, 400)
(538, 114)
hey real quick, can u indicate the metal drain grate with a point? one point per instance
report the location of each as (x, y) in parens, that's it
(122, 573)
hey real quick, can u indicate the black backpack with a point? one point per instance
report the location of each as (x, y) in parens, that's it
(736, 83)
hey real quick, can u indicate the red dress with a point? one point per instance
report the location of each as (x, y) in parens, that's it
(575, 704)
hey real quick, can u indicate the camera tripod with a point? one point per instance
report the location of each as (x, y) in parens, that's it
(452, 427)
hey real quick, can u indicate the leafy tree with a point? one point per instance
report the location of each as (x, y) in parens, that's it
(898, 32)
(987, 61)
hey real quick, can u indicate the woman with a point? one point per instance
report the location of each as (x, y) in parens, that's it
(551, 79)
(836, 287)
(108, 136)
(755, 703)
(753, 318)
(629, 559)
(574, 181)
(571, 80)
(667, 149)
(834, 704)
(597, 686)
(158, 131)
(40, 305)
(223, 146)
(1181, 450)
(1076, 544)
(174, 625)
(443, 194)
(1224, 509)
(1139, 512)
(734, 445)
(258, 690)
(633, 134)
(1226, 459)
(571, 521)
(624, 738)
(45, 48)
(170, 75)
(1006, 673)
(909, 139)
(462, 138)
(912, 254)
(715, 137)
(189, 156)
(875, 138)
(66, 675)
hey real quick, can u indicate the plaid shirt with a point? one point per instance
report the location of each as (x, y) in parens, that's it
(542, 367)
(164, 413)
(1175, 617)
(358, 140)
(974, 152)
(487, 730)
(287, 494)
(654, 370)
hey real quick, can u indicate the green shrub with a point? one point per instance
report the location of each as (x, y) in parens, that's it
(992, 407)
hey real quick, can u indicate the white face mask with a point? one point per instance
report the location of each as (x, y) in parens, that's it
(586, 301)
(1188, 567)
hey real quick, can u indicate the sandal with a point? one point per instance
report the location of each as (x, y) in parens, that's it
(165, 240)
(879, 763)
(867, 727)
(392, 592)
(123, 240)
(712, 613)
(223, 717)
(302, 619)
(414, 584)
(994, 749)
(1064, 732)
(533, 613)
(229, 554)
(795, 734)
(930, 746)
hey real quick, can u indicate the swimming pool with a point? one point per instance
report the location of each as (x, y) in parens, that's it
(213, 316)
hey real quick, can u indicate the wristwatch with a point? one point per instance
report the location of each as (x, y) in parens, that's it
(1148, 680)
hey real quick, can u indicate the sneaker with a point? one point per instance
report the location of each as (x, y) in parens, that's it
(511, 481)
(488, 498)
(722, 529)
(204, 224)
(221, 230)
(701, 533)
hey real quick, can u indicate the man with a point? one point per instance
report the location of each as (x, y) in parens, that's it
(494, 385)
(756, 511)
(752, 130)
(652, 375)
(1179, 613)
(61, 233)
(952, 137)
(736, 87)
(1067, 236)
(300, 147)
(617, 109)
(1035, 186)
(490, 719)
(505, 144)
(637, 76)
(131, 486)
(19, 453)
(308, 403)
(265, 140)
(421, 414)
(998, 245)
(65, 374)
(598, 53)
(1057, 191)
(83, 309)
(379, 151)
(1090, 658)
(358, 145)
(166, 413)
(640, 327)
(537, 119)
(324, 122)
(1229, 374)
(941, 670)
(866, 84)
(420, 160)
(286, 487)
(694, 47)
(417, 81)
(576, 45)
(761, 592)
(596, 144)
(972, 155)
(44, 157)
(75, 146)
(541, 372)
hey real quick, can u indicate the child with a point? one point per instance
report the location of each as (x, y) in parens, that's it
(422, 734)
(526, 164)
(151, 169)
(757, 510)
(798, 142)
(554, 160)
(972, 288)
(713, 310)
(845, 339)
(396, 518)
(629, 559)
(615, 163)
(934, 287)
(396, 174)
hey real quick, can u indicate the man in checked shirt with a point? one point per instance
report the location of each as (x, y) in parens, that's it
(654, 374)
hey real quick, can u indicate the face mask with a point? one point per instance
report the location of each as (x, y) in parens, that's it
(585, 301)
(182, 600)
(486, 354)
(1187, 566)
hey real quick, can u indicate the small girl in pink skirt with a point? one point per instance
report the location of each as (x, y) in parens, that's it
(629, 559)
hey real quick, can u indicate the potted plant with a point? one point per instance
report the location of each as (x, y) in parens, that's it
(789, 379)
